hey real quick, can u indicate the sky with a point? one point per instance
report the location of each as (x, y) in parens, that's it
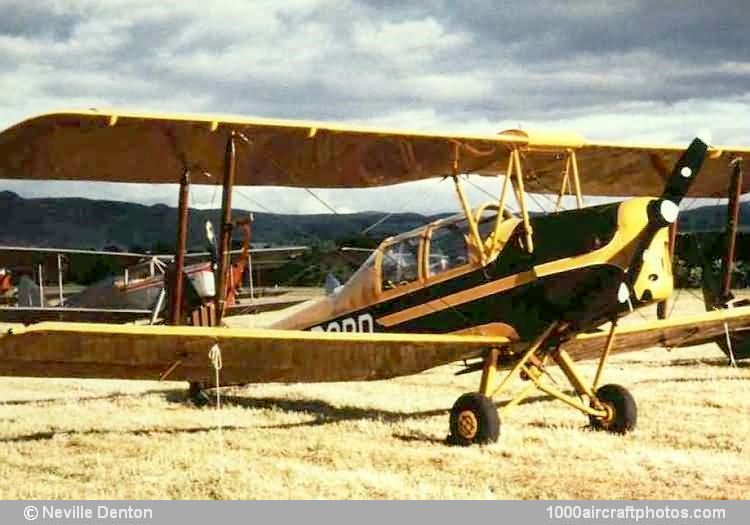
(637, 70)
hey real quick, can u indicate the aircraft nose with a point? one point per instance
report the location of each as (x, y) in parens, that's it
(653, 279)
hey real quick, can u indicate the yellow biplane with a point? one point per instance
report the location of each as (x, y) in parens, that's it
(496, 289)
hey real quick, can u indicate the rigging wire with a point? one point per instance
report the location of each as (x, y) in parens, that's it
(278, 216)
(323, 202)
(378, 222)
(546, 188)
(532, 196)
(316, 238)
(674, 302)
(402, 205)
(317, 264)
(493, 197)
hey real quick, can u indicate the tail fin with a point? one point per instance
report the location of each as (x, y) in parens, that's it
(332, 284)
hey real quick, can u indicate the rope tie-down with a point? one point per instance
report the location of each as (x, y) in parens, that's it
(214, 355)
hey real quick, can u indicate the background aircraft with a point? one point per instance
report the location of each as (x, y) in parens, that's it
(135, 293)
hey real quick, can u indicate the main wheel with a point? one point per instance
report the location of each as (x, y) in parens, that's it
(474, 419)
(197, 395)
(622, 412)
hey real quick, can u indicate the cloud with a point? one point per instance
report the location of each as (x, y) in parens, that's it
(610, 70)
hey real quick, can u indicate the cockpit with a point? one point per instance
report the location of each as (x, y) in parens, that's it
(427, 253)
(400, 262)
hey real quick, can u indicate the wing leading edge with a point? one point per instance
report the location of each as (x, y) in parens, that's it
(249, 355)
(670, 333)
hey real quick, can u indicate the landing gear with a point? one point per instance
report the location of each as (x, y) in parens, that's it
(197, 395)
(474, 420)
(621, 409)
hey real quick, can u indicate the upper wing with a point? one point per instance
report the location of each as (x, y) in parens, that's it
(114, 146)
(19, 255)
(679, 331)
(248, 355)
(623, 169)
(157, 148)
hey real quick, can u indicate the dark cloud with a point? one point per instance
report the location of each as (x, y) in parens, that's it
(32, 19)
(648, 67)
(350, 59)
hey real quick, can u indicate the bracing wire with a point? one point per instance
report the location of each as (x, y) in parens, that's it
(315, 237)
(493, 197)
(323, 202)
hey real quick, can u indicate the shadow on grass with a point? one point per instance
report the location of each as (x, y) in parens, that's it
(722, 362)
(692, 380)
(44, 436)
(106, 397)
(421, 437)
(325, 413)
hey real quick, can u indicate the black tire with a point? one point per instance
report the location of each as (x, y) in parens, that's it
(624, 412)
(197, 395)
(474, 420)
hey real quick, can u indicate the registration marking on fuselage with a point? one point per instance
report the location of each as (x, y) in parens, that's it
(361, 323)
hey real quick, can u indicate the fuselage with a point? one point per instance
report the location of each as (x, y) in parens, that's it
(433, 279)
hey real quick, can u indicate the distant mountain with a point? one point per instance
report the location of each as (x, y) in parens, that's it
(94, 224)
(712, 218)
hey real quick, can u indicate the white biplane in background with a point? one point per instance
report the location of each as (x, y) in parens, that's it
(137, 293)
(492, 288)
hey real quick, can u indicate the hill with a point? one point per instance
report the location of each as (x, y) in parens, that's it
(67, 222)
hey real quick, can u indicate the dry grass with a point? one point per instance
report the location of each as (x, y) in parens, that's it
(117, 439)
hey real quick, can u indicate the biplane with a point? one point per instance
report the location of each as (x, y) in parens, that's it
(137, 293)
(497, 290)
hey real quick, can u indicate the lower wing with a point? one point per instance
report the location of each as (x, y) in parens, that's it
(670, 333)
(248, 355)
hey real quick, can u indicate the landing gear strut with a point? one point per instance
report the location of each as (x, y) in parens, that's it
(474, 418)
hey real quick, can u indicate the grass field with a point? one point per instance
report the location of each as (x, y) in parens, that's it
(118, 439)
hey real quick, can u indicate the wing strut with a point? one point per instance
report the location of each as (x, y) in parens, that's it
(225, 241)
(471, 220)
(733, 214)
(522, 200)
(571, 171)
(514, 171)
(501, 206)
(734, 345)
(182, 227)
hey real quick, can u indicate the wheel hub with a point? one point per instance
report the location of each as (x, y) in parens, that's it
(468, 425)
(607, 420)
